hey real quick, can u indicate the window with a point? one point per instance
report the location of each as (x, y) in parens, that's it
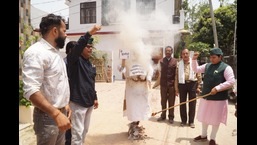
(67, 24)
(145, 7)
(176, 19)
(22, 3)
(105, 9)
(177, 7)
(111, 10)
(154, 40)
(88, 12)
(27, 12)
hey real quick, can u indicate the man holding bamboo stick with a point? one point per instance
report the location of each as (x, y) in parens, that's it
(218, 78)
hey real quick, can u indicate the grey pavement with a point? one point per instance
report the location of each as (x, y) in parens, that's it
(109, 127)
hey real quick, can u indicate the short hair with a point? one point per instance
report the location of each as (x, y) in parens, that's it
(168, 47)
(69, 46)
(183, 50)
(50, 21)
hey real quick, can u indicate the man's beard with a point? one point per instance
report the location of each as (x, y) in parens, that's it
(60, 41)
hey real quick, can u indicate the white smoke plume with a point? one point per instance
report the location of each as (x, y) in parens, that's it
(134, 30)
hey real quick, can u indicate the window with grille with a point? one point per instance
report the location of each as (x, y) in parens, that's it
(87, 12)
(111, 10)
(145, 7)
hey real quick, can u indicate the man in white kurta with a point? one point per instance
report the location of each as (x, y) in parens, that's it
(138, 81)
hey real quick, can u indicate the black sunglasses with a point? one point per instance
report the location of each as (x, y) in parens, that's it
(89, 46)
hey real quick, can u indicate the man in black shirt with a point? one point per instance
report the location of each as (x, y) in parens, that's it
(83, 98)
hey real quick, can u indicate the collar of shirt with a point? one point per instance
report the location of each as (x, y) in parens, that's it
(47, 45)
(168, 58)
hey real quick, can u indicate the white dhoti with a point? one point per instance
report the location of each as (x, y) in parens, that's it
(137, 97)
(137, 101)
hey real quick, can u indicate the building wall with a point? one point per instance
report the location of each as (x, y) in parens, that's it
(36, 15)
(24, 23)
(167, 7)
(27, 25)
(109, 35)
(24, 17)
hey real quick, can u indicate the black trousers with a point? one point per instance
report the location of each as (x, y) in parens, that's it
(187, 90)
(68, 137)
(167, 96)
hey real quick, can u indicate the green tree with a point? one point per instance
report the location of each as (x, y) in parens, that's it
(193, 13)
(98, 54)
(22, 100)
(225, 17)
(203, 48)
(192, 16)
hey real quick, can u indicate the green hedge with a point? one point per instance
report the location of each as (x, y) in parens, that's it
(23, 101)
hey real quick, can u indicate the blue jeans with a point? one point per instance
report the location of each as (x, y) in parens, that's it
(47, 132)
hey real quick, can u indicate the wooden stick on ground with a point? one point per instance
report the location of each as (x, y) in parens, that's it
(153, 114)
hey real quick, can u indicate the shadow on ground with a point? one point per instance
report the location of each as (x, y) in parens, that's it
(112, 139)
(191, 141)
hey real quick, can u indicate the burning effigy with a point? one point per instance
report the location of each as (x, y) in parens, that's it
(136, 101)
(137, 68)
(136, 132)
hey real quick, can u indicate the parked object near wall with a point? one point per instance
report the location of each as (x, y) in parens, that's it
(26, 114)
(25, 107)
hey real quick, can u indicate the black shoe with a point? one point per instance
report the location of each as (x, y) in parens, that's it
(200, 138)
(171, 121)
(192, 125)
(212, 142)
(161, 119)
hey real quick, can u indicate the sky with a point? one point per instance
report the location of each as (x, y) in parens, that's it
(59, 7)
(52, 6)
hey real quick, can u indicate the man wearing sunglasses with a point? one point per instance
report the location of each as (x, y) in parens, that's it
(83, 97)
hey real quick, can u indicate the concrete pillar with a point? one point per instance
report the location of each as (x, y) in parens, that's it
(182, 19)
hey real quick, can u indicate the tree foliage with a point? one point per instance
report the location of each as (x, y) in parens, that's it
(198, 21)
(98, 54)
(203, 48)
(225, 18)
(22, 100)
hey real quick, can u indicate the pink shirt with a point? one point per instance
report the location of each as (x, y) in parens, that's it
(228, 75)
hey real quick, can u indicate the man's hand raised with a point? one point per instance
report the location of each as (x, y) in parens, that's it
(195, 56)
(95, 29)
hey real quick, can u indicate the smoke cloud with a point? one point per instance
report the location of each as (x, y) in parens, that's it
(134, 29)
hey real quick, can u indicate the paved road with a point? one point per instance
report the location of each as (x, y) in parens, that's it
(109, 127)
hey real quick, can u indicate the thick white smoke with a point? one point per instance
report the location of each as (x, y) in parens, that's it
(134, 30)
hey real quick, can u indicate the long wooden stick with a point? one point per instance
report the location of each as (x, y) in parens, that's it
(153, 114)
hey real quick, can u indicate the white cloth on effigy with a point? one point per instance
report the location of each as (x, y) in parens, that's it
(137, 91)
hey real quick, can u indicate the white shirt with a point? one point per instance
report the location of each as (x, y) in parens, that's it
(44, 70)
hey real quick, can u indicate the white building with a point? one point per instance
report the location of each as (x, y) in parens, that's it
(155, 22)
(36, 15)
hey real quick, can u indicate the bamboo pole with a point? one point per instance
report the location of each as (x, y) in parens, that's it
(154, 113)
(213, 25)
